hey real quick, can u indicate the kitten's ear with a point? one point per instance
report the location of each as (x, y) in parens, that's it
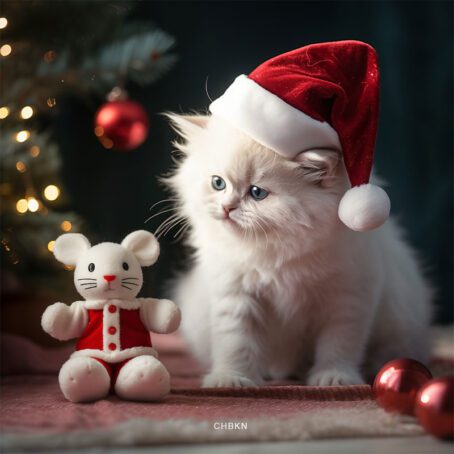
(68, 248)
(319, 165)
(187, 125)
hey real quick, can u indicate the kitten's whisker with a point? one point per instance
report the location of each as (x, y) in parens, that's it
(182, 229)
(168, 225)
(257, 238)
(88, 288)
(276, 232)
(206, 89)
(166, 222)
(182, 232)
(125, 286)
(86, 279)
(264, 231)
(171, 199)
(159, 213)
(135, 278)
(172, 225)
(130, 283)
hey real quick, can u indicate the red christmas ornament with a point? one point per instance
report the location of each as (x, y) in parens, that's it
(435, 407)
(122, 125)
(396, 385)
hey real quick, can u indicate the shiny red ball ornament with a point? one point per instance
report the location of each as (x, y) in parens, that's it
(397, 384)
(122, 125)
(434, 407)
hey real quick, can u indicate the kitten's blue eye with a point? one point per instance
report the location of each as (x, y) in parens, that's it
(257, 193)
(217, 183)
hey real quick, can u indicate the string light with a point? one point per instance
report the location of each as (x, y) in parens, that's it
(22, 136)
(21, 167)
(3, 22)
(66, 226)
(50, 245)
(51, 102)
(5, 50)
(51, 192)
(35, 151)
(4, 112)
(26, 112)
(22, 206)
(5, 245)
(33, 204)
(69, 267)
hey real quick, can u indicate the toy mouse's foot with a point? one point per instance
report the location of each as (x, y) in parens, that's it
(143, 378)
(84, 379)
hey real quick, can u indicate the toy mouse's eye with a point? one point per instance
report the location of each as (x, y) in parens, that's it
(91, 267)
(125, 266)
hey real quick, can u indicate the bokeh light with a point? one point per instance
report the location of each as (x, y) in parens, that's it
(21, 167)
(26, 112)
(5, 50)
(66, 226)
(22, 206)
(35, 151)
(22, 136)
(51, 192)
(33, 204)
(4, 112)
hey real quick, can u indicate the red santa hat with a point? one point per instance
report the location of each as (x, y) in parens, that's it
(321, 96)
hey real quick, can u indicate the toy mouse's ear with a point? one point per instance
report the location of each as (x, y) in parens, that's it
(68, 248)
(143, 245)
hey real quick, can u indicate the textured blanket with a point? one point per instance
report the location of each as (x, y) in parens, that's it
(35, 415)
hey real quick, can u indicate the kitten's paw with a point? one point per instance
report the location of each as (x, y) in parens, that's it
(335, 376)
(227, 380)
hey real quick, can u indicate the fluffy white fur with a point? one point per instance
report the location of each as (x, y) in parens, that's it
(281, 287)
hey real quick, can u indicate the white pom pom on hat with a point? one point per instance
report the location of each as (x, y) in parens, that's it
(364, 207)
(321, 96)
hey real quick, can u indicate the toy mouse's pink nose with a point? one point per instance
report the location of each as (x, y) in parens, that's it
(110, 277)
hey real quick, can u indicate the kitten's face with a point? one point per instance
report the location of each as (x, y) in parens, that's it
(229, 183)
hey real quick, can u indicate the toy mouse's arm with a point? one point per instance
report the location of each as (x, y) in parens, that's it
(159, 316)
(65, 322)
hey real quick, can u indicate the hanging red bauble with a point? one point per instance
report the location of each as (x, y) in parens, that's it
(435, 407)
(122, 125)
(396, 385)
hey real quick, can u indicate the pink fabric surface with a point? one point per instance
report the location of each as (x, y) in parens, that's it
(31, 401)
(35, 404)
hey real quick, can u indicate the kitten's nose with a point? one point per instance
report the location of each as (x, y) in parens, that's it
(227, 210)
(110, 277)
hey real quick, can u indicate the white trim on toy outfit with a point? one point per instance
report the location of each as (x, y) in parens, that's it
(121, 304)
(116, 356)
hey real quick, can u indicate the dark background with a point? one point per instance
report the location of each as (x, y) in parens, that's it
(217, 41)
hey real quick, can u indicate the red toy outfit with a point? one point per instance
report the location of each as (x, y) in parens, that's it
(114, 334)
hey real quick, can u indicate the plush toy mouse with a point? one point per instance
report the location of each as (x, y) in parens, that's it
(114, 349)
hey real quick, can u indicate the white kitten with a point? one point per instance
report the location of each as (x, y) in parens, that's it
(278, 285)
